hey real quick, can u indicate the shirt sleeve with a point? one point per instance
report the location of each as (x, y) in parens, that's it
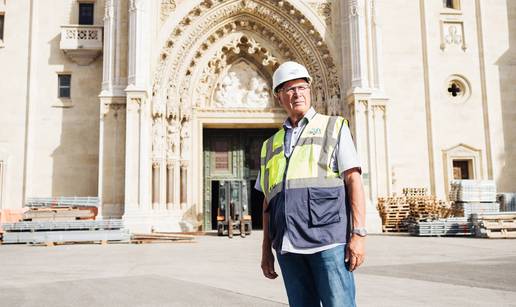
(347, 157)
(257, 185)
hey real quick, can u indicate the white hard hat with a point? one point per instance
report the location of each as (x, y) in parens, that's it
(289, 71)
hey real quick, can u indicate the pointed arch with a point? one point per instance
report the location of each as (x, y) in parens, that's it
(280, 23)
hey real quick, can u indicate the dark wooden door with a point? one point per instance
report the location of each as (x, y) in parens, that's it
(232, 154)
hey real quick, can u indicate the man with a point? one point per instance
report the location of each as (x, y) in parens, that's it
(310, 176)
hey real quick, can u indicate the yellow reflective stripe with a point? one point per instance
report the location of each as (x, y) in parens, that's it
(303, 162)
(263, 162)
(275, 169)
(269, 150)
(308, 160)
(277, 139)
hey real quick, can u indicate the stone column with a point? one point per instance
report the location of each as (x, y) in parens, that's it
(170, 184)
(364, 96)
(155, 184)
(172, 153)
(139, 42)
(113, 83)
(112, 156)
(357, 36)
(108, 69)
(184, 184)
(132, 165)
(185, 157)
(363, 128)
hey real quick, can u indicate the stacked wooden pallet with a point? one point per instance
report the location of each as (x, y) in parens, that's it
(393, 211)
(162, 237)
(495, 225)
(415, 206)
(424, 208)
(414, 192)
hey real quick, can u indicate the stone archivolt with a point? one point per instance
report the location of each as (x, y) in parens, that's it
(217, 35)
(284, 25)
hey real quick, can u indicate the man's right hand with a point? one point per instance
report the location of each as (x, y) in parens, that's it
(268, 264)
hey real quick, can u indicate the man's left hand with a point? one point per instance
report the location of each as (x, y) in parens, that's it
(355, 252)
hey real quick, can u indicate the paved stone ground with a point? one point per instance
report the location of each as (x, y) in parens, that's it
(216, 271)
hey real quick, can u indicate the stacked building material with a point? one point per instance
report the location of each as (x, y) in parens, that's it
(473, 196)
(59, 214)
(51, 232)
(415, 206)
(473, 191)
(393, 211)
(63, 219)
(494, 225)
(507, 201)
(62, 201)
(442, 227)
(162, 237)
(425, 208)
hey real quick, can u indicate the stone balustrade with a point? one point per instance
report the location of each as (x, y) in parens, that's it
(82, 43)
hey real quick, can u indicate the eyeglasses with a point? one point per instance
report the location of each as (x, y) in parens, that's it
(300, 89)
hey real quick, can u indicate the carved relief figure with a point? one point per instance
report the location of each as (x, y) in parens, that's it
(172, 138)
(242, 86)
(229, 93)
(185, 139)
(258, 93)
(157, 137)
(158, 106)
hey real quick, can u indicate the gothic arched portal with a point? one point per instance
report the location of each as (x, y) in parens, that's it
(214, 70)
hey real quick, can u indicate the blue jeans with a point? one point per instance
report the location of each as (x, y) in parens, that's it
(318, 278)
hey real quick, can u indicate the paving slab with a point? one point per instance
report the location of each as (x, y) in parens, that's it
(218, 271)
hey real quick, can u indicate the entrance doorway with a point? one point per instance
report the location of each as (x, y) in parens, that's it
(232, 154)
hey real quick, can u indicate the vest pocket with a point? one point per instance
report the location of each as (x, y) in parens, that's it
(324, 206)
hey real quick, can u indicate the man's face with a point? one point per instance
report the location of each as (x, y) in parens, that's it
(295, 97)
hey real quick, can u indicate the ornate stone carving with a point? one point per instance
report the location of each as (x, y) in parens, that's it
(242, 87)
(173, 130)
(158, 138)
(134, 104)
(167, 7)
(185, 139)
(324, 10)
(158, 106)
(108, 10)
(278, 22)
(133, 5)
(354, 8)
(106, 108)
(333, 106)
(452, 33)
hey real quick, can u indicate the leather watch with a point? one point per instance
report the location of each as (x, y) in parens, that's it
(362, 232)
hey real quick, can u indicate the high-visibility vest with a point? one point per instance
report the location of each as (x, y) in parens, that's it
(305, 196)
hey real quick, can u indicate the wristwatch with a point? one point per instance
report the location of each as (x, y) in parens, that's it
(362, 231)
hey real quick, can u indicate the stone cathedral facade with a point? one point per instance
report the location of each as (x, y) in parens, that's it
(150, 104)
